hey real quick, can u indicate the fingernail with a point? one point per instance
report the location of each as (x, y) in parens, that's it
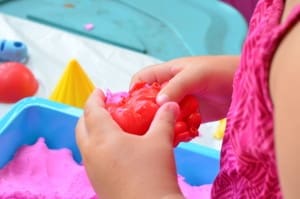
(98, 94)
(172, 106)
(161, 99)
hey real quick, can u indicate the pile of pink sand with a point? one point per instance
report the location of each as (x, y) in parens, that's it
(37, 172)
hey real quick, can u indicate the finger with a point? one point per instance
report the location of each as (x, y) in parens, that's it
(175, 89)
(81, 135)
(97, 119)
(162, 126)
(156, 73)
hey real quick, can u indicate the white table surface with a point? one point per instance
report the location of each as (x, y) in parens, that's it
(107, 66)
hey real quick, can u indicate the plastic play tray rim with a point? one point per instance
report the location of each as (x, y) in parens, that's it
(188, 155)
(76, 112)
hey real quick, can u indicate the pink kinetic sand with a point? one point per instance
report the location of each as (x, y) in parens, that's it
(37, 172)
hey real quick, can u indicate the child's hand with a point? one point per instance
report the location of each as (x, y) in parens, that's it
(122, 165)
(209, 78)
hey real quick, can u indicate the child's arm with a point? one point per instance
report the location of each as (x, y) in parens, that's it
(208, 77)
(285, 92)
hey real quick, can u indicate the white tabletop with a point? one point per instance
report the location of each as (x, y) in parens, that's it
(107, 66)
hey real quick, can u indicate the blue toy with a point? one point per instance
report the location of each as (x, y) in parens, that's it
(13, 51)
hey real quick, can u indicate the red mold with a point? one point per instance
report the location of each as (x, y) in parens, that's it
(135, 111)
(16, 82)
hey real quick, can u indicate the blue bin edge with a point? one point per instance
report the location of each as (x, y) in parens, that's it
(197, 164)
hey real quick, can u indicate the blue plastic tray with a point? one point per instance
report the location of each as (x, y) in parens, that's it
(32, 118)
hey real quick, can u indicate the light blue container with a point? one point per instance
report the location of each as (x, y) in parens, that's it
(32, 118)
(165, 29)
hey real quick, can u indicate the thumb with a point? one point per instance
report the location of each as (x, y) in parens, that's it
(163, 123)
(174, 89)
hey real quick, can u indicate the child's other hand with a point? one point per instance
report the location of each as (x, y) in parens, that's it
(121, 165)
(209, 78)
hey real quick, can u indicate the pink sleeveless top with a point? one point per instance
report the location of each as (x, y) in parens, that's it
(248, 162)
